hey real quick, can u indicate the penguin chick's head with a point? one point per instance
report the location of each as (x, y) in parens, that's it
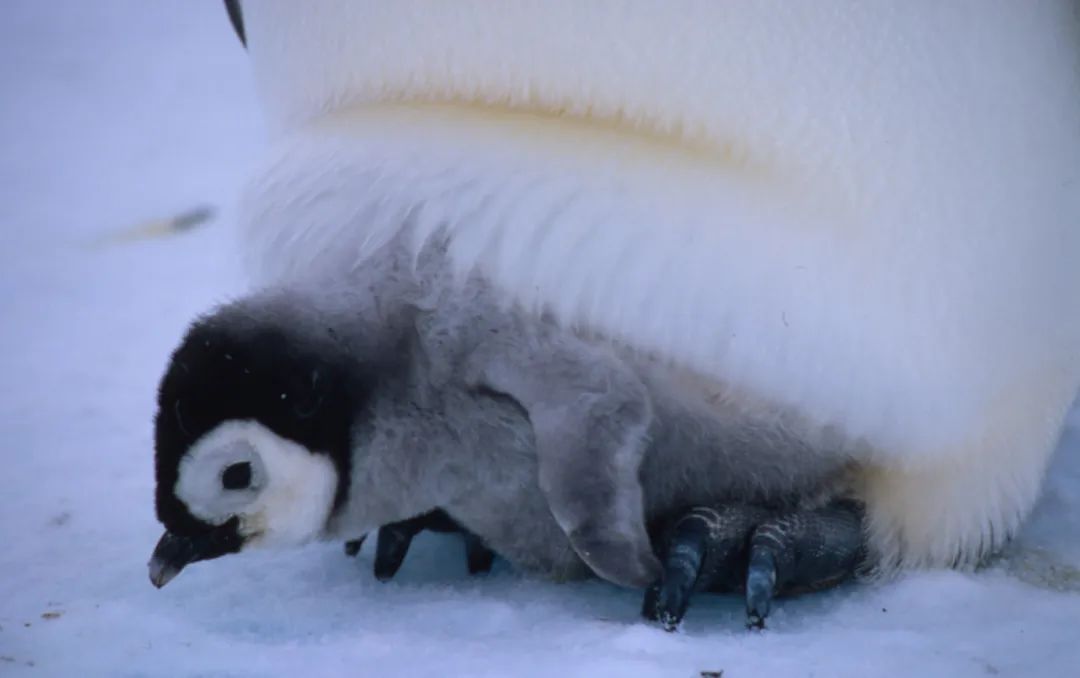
(252, 437)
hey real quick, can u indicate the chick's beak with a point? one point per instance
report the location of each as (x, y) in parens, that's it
(174, 552)
(171, 554)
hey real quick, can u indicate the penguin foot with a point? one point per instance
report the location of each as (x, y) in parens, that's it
(353, 546)
(394, 540)
(757, 551)
(478, 556)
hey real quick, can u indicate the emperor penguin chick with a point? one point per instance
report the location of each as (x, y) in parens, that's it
(316, 412)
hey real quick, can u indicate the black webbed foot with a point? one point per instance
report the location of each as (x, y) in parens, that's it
(479, 557)
(752, 549)
(392, 545)
(394, 539)
(353, 546)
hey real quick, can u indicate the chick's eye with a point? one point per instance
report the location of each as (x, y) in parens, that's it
(236, 476)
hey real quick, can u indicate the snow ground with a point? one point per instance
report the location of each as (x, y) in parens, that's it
(118, 112)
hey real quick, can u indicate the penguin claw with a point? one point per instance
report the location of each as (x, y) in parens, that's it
(661, 611)
(669, 597)
(761, 553)
(667, 605)
(760, 586)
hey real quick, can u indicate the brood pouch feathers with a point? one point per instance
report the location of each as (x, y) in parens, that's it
(858, 218)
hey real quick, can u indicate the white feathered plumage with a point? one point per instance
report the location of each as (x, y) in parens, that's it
(865, 213)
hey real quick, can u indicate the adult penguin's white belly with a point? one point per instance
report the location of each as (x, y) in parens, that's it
(864, 213)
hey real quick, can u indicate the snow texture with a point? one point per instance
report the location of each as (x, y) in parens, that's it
(118, 113)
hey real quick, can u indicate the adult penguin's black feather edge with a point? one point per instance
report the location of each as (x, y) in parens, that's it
(236, 18)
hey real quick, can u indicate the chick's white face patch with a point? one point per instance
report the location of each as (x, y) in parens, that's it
(281, 491)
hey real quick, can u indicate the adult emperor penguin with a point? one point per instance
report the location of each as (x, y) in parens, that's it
(860, 217)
